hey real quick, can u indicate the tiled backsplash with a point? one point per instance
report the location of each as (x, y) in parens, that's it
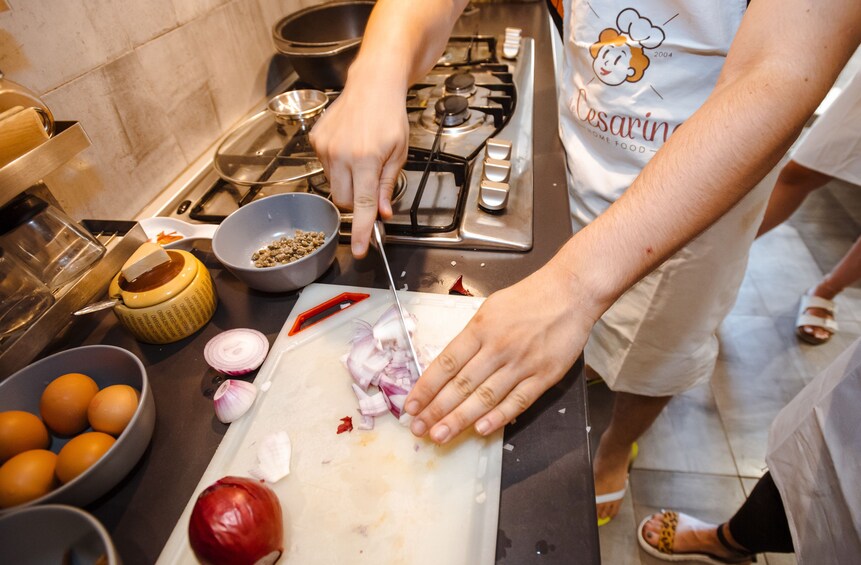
(153, 83)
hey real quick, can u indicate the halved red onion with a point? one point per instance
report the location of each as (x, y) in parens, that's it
(236, 352)
(233, 399)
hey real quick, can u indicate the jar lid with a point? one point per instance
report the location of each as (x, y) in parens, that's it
(20, 210)
(158, 285)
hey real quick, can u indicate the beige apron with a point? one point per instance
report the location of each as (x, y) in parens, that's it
(630, 77)
(814, 455)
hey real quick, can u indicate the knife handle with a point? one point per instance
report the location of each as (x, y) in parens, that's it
(326, 309)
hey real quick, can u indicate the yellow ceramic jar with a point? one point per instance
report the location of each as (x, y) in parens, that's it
(169, 302)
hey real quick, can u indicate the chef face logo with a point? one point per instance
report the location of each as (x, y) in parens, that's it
(619, 54)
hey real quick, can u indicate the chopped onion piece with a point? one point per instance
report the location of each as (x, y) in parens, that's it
(374, 405)
(367, 423)
(233, 399)
(388, 332)
(236, 352)
(273, 457)
(379, 357)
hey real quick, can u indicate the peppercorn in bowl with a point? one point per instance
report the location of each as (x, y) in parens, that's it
(279, 243)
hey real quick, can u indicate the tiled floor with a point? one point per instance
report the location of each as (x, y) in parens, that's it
(707, 449)
(705, 452)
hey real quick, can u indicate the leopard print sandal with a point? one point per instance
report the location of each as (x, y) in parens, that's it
(664, 550)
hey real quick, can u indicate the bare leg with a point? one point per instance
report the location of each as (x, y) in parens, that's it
(632, 416)
(847, 271)
(793, 185)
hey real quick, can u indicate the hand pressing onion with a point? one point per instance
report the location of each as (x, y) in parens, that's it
(236, 521)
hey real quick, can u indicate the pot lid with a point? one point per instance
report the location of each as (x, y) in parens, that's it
(263, 152)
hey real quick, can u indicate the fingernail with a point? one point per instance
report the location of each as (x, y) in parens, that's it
(413, 407)
(418, 427)
(482, 427)
(440, 433)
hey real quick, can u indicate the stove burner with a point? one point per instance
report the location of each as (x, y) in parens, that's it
(452, 110)
(319, 184)
(462, 84)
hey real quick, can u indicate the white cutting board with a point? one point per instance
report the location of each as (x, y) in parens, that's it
(377, 497)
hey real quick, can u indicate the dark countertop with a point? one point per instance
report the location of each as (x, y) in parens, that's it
(546, 512)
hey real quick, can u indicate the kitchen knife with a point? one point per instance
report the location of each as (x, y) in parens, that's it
(379, 236)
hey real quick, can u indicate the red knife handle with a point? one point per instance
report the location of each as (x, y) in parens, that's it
(326, 309)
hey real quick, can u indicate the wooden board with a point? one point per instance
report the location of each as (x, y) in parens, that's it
(381, 496)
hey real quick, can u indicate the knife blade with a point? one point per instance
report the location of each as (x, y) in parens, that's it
(379, 236)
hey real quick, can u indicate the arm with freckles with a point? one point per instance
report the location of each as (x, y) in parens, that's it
(523, 339)
(362, 138)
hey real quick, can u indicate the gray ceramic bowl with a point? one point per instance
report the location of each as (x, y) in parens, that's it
(261, 222)
(54, 534)
(107, 365)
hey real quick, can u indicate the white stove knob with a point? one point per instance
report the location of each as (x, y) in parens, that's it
(498, 149)
(496, 170)
(510, 49)
(493, 196)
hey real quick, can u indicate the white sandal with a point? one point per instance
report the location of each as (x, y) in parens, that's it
(804, 319)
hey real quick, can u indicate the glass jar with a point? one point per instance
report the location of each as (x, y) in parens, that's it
(54, 247)
(23, 297)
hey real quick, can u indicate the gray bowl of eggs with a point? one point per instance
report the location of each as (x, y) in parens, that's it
(72, 425)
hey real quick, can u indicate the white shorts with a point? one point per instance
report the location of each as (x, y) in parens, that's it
(659, 338)
(832, 145)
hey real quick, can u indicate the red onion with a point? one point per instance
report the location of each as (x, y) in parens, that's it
(236, 352)
(236, 521)
(233, 399)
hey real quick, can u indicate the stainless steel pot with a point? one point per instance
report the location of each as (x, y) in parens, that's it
(322, 41)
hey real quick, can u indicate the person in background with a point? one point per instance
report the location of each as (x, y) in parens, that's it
(808, 501)
(668, 135)
(831, 149)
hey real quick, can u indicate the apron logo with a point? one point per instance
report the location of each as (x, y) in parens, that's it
(619, 54)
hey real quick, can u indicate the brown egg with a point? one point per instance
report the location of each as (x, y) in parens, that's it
(27, 476)
(65, 401)
(81, 453)
(112, 408)
(19, 432)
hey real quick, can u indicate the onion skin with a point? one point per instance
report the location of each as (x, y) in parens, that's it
(236, 521)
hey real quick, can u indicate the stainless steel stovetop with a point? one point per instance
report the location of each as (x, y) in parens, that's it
(448, 214)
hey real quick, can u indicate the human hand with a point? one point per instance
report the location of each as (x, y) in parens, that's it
(362, 141)
(520, 343)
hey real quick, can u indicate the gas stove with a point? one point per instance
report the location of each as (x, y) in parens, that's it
(467, 181)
